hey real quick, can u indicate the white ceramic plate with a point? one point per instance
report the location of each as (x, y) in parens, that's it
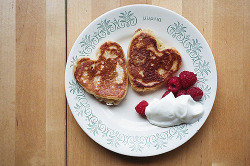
(120, 128)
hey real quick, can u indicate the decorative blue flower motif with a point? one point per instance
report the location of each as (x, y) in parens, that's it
(80, 109)
(201, 80)
(73, 61)
(114, 140)
(179, 29)
(104, 26)
(194, 47)
(118, 24)
(137, 143)
(81, 97)
(160, 142)
(206, 91)
(94, 125)
(202, 68)
(178, 131)
(75, 87)
(88, 44)
(128, 18)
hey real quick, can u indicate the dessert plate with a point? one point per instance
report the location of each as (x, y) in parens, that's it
(120, 128)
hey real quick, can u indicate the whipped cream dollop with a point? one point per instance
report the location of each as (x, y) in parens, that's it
(171, 111)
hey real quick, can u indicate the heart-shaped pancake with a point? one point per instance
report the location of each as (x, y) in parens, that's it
(149, 65)
(106, 78)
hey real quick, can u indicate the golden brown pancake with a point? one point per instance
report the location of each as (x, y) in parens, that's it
(106, 78)
(149, 64)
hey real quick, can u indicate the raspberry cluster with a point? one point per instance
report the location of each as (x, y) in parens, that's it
(182, 85)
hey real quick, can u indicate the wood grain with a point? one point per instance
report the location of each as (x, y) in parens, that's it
(7, 82)
(33, 123)
(30, 132)
(175, 6)
(55, 90)
(231, 60)
(37, 126)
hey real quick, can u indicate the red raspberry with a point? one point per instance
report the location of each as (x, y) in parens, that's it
(181, 92)
(140, 108)
(187, 79)
(174, 84)
(165, 94)
(195, 92)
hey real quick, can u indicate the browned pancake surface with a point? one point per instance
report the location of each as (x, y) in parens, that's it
(148, 67)
(105, 77)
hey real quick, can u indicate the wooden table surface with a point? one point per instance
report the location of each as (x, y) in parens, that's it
(36, 124)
